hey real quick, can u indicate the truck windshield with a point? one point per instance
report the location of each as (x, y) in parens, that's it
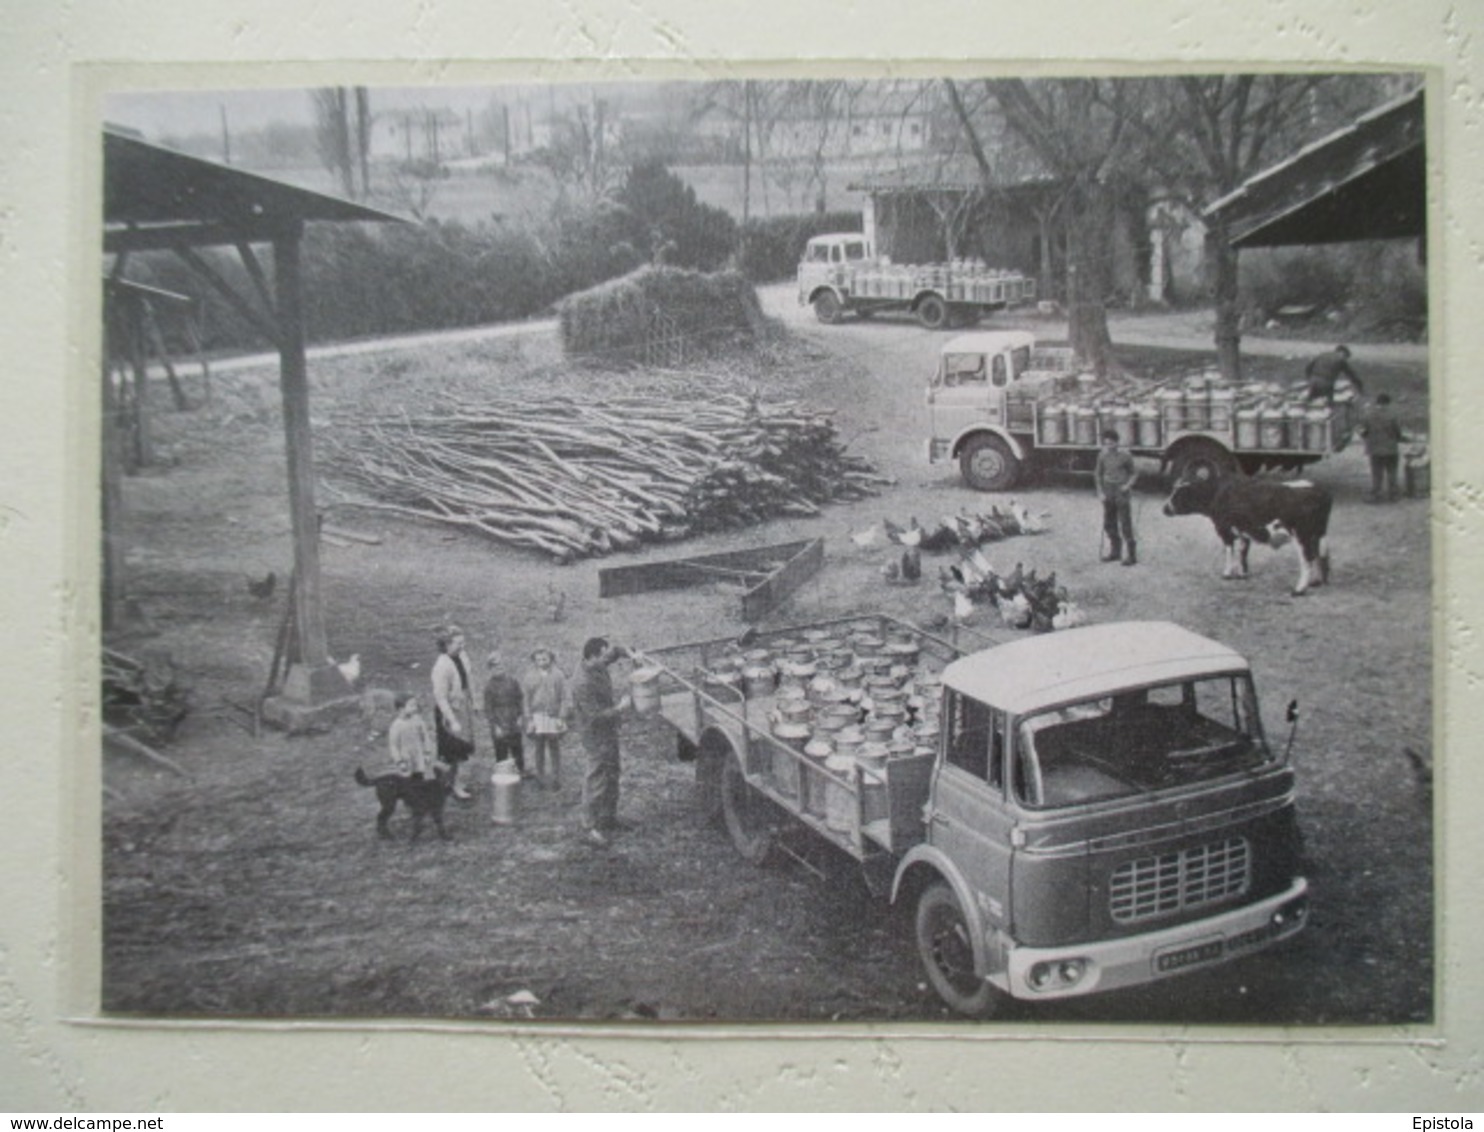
(962, 369)
(817, 253)
(1139, 740)
(855, 251)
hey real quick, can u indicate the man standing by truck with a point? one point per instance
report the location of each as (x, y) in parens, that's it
(598, 717)
(1114, 476)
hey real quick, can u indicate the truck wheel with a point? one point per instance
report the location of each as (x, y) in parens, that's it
(988, 464)
(1201, 460)
(932, 312)
(751, 819)
(827, 308)
(947, 953)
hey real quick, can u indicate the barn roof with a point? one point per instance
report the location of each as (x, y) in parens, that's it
(1366, 181)
(154, 197)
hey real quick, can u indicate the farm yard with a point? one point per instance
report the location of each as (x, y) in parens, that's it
(249, 881)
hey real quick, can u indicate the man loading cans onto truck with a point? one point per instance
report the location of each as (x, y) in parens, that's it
(1324, 372)
(1114, 478)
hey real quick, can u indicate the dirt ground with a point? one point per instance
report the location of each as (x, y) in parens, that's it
(255, 886)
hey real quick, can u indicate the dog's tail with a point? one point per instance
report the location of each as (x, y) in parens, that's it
(361, 777)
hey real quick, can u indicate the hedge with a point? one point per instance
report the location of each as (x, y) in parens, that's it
(617, 318)
(769, 249)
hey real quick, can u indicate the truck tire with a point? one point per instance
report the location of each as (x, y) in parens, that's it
(1200, 459)
(988, 464)
(932, 312)
(827, 307)
(751, 819)
(947, 953)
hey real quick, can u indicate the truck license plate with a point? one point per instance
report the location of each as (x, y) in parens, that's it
(1188, 956)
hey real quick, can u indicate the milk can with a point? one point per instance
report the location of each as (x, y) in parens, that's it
(1124, 426)
(839, 799)
(759, 681)
(1297, 424)
(818, 752)
(505, 792)
(1146, 420)
(644, 689)
(785, 768)
(1087, 425)
(1171, 410)
(1053, 423)
(1272, 426)
(1316, 430)
(1247, 430)
(1223, 399)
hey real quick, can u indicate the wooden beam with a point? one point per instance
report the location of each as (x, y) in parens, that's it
(255, 270)
(263, 325)
(188, 234)
(304, 519)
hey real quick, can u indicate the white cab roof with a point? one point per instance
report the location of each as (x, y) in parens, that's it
(1077, 664)
(988, 341)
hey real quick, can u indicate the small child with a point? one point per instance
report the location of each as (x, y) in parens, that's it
(505, 708)
(408, 742)
(547, 709)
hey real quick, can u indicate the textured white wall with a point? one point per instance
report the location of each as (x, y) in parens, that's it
(48, 287)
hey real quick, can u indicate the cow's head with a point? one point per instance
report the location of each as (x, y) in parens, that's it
(1191, 496)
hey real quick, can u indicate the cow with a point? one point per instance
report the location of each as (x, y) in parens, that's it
(1268, 511)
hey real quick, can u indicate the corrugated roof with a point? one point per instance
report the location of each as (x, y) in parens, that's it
(1076, 664)
(1366, 181)
(161, 197)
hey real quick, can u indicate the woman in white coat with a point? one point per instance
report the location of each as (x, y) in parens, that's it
(453, 703)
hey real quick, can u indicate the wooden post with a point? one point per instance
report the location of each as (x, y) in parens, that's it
(112, 508)
(294, 380)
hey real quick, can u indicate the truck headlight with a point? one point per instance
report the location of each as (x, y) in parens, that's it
(1059, 974)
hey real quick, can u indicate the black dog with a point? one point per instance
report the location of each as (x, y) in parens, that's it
(423, 796)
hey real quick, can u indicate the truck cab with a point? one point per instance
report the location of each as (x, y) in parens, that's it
(980, 381)
(828, 261)
(1105, 810)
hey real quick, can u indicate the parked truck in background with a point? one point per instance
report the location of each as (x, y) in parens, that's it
(1066, 814)
(999, 403)
(841, 274)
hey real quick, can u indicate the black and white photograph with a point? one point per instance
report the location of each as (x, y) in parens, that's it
(925, 548)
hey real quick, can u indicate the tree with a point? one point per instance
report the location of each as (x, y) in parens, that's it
(332, 135)
(677, 228)
(1205, 135)
(1078, 130)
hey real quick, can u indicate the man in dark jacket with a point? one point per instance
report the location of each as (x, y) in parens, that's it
(1324, 372)
(1382, 433)
(598, 717)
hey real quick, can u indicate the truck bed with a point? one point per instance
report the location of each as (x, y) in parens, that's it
(870, 812)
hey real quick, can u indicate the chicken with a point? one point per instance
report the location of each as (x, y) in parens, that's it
(963, 607)
(262, 589)
(866, 538)
(351, 669)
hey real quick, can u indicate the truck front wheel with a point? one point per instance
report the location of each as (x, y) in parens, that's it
(827, 308)
(947, 953)
(988, 464)
(751, 819)
(932, 312)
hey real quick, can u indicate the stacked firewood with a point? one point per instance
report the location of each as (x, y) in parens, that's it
(575, 477)
(145, 694)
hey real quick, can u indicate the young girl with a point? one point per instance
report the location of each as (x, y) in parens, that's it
(451, 699)
(547, 709)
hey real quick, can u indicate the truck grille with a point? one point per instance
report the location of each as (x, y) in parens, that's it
(1173, 882)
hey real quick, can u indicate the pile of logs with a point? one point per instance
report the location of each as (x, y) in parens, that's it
(144, 694)
(575, 477)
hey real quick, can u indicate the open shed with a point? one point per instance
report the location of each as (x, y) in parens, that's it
(1366, 181)
(155, 199)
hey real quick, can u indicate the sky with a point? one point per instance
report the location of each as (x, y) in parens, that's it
(158, 114)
